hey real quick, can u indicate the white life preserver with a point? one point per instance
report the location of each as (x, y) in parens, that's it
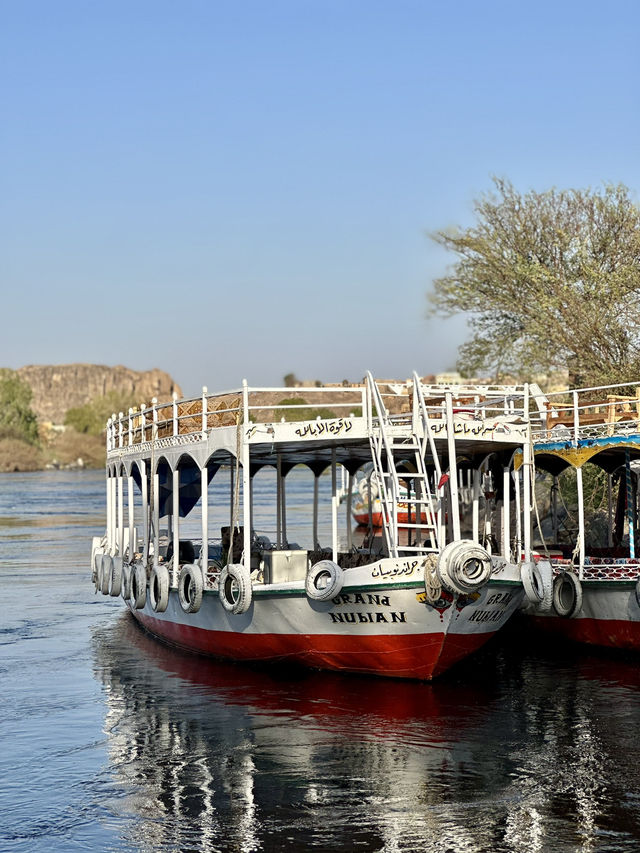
(159, 588)
(190, 588)
(115, 577)
(105, 573)
(567, 594)
(125, 591)
(324, 580)
(463, 566)
(234, 588)
(138, 592)
(537, 580)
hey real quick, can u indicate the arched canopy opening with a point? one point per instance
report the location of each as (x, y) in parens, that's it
(190, 483)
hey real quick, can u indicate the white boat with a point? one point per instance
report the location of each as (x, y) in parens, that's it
(407, 604)
(592, 593)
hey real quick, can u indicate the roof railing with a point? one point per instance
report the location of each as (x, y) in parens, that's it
(200, 414)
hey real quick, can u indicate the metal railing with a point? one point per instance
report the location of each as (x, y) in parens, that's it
(228, 408)
(587, 413)
(201, 414)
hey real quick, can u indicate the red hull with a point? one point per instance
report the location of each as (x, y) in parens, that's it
(362, 518)
(612, 633)
(419, 656)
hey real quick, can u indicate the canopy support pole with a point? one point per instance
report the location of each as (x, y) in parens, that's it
(204, 550)
(145, 511)
(131, 514)
(156, 517)
(630, 505)
(278, 501)
(349, 496)
(516, 475)
(316, 480)
(334, 507)
(475, 509)
(506, 515)
(581, 547)
(176, 527)
(610, 510)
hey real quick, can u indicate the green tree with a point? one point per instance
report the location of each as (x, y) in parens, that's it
(549, 281)
(93, 416)
(17, 420)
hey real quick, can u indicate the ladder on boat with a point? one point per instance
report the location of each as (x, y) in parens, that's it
(405, 439)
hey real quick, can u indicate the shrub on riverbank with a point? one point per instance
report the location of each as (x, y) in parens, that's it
(92, 418)
(18, 455)
(68, 447)
(17, 420)
(66, 450)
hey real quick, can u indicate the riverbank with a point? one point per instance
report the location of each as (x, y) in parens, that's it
(66, 450)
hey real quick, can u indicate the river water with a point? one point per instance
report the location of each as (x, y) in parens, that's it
(111, 741)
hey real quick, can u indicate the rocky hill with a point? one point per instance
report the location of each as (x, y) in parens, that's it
(57, 388)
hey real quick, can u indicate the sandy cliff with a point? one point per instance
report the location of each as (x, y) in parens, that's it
(57, 388)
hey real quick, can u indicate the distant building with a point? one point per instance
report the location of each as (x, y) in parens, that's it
(452, 377)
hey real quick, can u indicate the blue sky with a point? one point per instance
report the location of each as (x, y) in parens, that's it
(245, 189)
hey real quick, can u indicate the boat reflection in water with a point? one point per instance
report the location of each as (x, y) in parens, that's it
(212, 756)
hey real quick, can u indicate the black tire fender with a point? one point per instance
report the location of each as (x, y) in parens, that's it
(159, 588)
(96, 570)
(105, 573)
(324, 581)
(138, 592)
(234, 588)
(115, 577)
(567, 594)
(125, 591)
(190, 588)
(537, 580)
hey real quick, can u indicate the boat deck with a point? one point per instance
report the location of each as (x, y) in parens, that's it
(322, 417)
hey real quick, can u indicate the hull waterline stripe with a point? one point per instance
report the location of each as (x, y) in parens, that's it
(419, 656)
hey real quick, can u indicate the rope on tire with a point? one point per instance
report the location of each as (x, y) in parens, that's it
(432, 586)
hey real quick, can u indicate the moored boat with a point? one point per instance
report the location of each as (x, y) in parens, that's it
(410, 603)
(593, 435)
(366, 501)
